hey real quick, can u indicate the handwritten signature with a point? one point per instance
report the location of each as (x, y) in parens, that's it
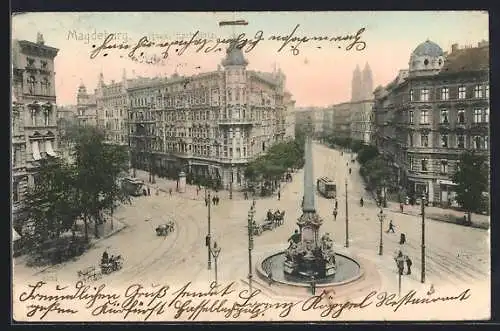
(354, 42)
(189, 303)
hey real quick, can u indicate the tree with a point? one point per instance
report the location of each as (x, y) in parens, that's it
(51, 202)
(97, 167)
(377, 172)
(471, 178)
(367, 153)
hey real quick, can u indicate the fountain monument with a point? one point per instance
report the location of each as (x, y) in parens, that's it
(308, 255)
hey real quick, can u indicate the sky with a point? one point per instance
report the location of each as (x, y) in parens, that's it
(319, 75)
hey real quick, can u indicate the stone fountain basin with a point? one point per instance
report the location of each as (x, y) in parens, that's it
(348, 271)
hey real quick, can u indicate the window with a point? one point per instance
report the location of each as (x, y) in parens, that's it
(410, 140)
(410, 162)
(487, 91)
(424, 164)
(45, 84)
(15, 191)
(461, 116)
(424, 117)
(425, 95)
(477, 115)
(31, 84)
(461, 141)
(461, 92)
(44, 65)
(46, 117)
(444, 140)
(424, 140)
(445, 93)
(444, 116)
(477, 142)
(229, 96)
(444, 166)
(411, 95)
(33, 117)
(411, 116)
(485, 140)
(478, 92)
(486, 115)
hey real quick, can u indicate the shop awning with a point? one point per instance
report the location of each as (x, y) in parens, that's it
(49, 149)
(445, 182)
(15, 236)
(36, 151)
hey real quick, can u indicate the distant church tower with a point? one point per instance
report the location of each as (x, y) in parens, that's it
(356, 85)
(362, 84)
(367, 81)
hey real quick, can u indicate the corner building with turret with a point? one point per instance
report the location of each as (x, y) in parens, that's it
(208, 125)
(430, 114)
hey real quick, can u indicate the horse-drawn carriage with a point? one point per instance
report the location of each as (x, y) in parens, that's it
(113, 263)
(108, 265)
(89, 273)
(165, 229)
(272, 221)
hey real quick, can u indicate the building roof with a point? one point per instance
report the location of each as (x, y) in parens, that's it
(234, 57)
(428, 48)
(467, 59)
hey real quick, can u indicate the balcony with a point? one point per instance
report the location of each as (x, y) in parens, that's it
(231, 121)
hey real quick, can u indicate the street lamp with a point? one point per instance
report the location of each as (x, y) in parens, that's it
(231, 184)
(400, 265)
(215, 251)
(251, 213)
(422, 202)
(208, 239)
(346, 218)
(381, 217)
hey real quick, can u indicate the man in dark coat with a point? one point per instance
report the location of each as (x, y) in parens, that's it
(408, 265)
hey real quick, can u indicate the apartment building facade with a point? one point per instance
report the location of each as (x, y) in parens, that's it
(209, 125)
(34, 133)
(431, 113)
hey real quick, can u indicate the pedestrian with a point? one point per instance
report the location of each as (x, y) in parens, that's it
(217, 200)
(401, 207)
(279, 195)
(402, 239)
(170, 191)
(214, 200)
(335, 214)
(391, 227)
(336, 204)
(149, 192)
(349, 171)
(245, 195)
(408, 265)
(361, 202)
(206, 202)
(144, 192)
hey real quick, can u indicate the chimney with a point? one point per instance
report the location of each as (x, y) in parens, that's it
(483, 43)
(39, 38)
(454, 48)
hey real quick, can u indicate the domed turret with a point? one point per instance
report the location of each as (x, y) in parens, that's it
(427, 58)
(234, 57)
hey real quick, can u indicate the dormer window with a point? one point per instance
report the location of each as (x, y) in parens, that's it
(440, 62)
(426, 62)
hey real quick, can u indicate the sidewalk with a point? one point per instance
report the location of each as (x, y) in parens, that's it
(442, 214)
(165, 185)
